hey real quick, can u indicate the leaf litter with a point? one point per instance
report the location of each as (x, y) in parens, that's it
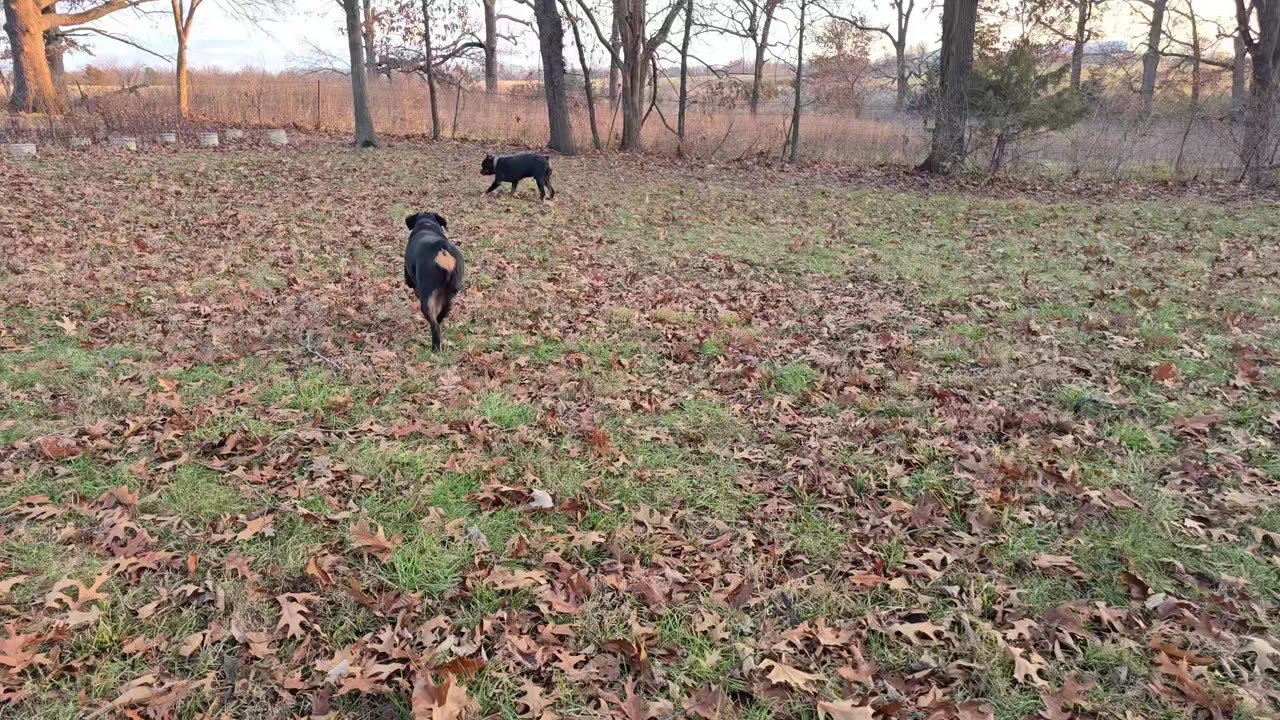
(762, 470)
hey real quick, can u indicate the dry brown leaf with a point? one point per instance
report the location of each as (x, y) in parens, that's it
(375, 544)
(1027, 670)
(255, 527)
(293, 610)
(446, 701)
(780, 674)
(534, 700)
(913, 632)
(845, 710)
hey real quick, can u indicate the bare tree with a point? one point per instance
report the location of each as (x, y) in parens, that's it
(490, 46)
(749, 20)
(26, 23)
(684, 78)
(369, 37)
(615, 67)
(587, 85)
(365, 134)
(551, 43)
(1151, 56)
(1258, 25)
(1067, 21)
(903, 10)
(184, 14)
(959, 24)
(635, 57)
(1191, 50)
(798, 86)
(423, 37)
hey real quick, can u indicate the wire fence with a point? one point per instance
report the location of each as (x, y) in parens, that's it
(1200, 143)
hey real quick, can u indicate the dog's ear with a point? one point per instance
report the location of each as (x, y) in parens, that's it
(411, 221)
(444, 224)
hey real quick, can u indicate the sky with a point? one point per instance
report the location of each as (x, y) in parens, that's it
(221, 40)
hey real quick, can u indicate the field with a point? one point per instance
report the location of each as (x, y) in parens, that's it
(703, 442)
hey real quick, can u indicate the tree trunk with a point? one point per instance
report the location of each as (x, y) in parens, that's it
(368, 34)
(1264, 53)
(429, 62)
(55, 50)
(586, 77)
(1083, 8)
(631, 34)
(33, 86)
(365, 135)
(1195, 55)
(795, 106)
(184, 94)
(900, 71)
(959, 21)
(684, 77)
(1239, 71)
(551, 43)
(616, 44)
(1151, 60)
(490, 46)
(762, 47)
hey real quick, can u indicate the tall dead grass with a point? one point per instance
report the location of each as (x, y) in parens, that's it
(1111, 144)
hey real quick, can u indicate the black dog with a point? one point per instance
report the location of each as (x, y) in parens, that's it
(514, 168)
(433, 268)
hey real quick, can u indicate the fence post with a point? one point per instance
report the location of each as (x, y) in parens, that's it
(317, 103)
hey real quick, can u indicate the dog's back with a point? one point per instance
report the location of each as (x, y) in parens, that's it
(524, 165)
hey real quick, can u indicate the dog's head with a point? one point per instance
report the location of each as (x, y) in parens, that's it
(412, 221)
(486, 165)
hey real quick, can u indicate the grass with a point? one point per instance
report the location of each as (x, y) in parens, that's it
(939, 390)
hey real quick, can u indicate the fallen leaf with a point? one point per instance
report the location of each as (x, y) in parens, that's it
(375, 544)
(293, 612)
(845, 710)
(780, 674)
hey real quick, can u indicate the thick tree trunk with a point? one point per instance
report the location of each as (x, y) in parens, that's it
(1239, 73)
(1151, 59)
(587, 85)
(1256, 152)
(615, 43)
(684, 76)
(55, 50)
(33, 86)
(491, 46)
(1083, 8)
(369, 35)
(551, 43)
(795, 106)
(365, 135)
(757, 77)
(429, 61)
(959, 21)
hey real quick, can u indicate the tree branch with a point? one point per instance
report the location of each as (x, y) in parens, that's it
(57, 20)
(80, 31)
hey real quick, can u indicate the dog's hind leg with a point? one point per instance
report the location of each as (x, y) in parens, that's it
(431, 311)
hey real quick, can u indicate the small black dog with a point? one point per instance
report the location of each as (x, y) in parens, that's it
(514, 168)
(432, 268)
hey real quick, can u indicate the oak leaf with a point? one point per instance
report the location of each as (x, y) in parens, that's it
(845, 710)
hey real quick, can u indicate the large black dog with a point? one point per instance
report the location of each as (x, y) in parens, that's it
(514, 168)
(433, 268)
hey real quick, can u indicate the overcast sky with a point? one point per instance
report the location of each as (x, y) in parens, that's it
(221, 40)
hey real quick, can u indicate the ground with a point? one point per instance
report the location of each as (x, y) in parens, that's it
(713, 442)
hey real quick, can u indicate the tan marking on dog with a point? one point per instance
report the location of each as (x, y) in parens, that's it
(446, 261)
